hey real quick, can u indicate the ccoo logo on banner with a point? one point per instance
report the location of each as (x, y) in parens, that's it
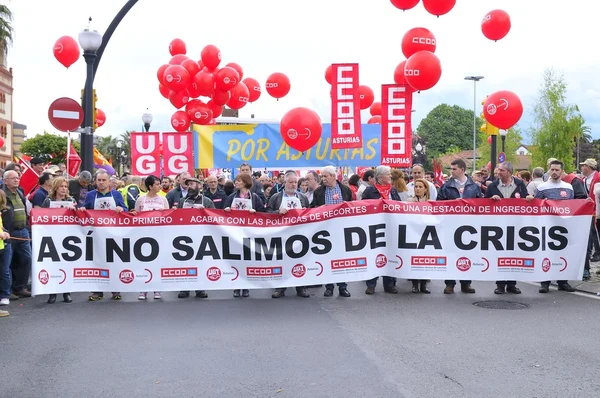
(176, 150)
(345, 107)
(396, 129)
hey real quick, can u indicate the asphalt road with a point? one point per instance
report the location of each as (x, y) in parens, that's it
(367, 346)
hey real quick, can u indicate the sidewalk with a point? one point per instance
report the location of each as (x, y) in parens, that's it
(592, 286)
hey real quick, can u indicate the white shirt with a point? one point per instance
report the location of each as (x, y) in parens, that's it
(432, 190)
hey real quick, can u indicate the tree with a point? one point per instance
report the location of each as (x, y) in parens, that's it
(514, 139)
(49, 147)
(448, 127)
(126, 146)
(583, 137)
(6, 29)
(554, 132)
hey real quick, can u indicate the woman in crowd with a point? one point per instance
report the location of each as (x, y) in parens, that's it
(302, 185)
(243, 199)
(399, 188)
(354, 184)
(421, 195)
(151, 201)
(59, 193)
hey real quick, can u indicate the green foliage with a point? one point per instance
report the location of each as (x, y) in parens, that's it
(46, 146)
(448, 127)
(558, 124)
(514, 140)
(6, 29)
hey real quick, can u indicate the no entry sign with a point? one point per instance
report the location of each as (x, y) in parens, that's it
(65, 114)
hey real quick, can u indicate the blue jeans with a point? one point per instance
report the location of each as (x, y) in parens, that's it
(20, 260)
(5, 276)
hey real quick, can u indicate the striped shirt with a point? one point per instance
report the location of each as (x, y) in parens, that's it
(555, 190)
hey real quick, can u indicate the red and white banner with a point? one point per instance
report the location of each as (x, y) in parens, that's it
(396, 129)
(209, 249)
(345, 107)
(178, 153)
(145, 154)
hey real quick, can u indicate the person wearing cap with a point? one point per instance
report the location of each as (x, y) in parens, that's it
(194, 199)
(37, 164)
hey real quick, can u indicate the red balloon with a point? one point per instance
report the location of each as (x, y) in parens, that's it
(366, 97)
(191, 66)
(164, 90)
(503, 109)
(200, 114)
(180, 121)
(1, 142)
(239, 97)
(221, 97)
(399, 77)
(375, 109)
(204, 83)
(211, 56)
(278, 85)
(423, 70)
(189, 107)
(237, 68)
(439, 7)
(490, 140)
(178, 59)
(177, 46)
(375, 120)
(100, 117)
(66, 51)
(495, 25)
(404, 4)
(226, 78)
(215, 109)
(161, 73)
(301, 128)
(212, 122)
(176, 78)
(328, 73)
(418, 39)
(179, 98)
(253, 88)
(192, 91)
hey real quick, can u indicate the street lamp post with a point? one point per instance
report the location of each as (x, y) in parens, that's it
(147, 119)
(475, 79)
(503, 136)
(119, 158)
(90, 41)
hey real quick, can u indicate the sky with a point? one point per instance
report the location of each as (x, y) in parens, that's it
(299, 39)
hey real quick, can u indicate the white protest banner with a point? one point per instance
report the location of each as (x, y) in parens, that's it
(208, 249)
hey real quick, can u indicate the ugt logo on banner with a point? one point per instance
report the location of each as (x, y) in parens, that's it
(145, 154)
(177, 151)
(345, 107)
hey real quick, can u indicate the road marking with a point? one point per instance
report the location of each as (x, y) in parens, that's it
(65, 114)
(555, 288)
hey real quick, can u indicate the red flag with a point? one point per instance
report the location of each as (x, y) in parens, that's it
(74, 162)
(29, 178)
(440, 174)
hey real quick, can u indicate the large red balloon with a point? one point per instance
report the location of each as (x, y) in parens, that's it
(100, 117)
(176, 78)
(66, 51)
(178, 59)
(164, 90)
(301, 128)
(204, 83)
(399, 77)
(496, 24)
(179, 98)
(239, 97)
(191, 66)
(221, 97)
(278, 85)
(237, 68)
(215, 109)
(180, 121)
(375, 119)
(193, 91)
(253, 89)
(161, 73)
(329, 73)
(200, 114)
(177, 46)
(503, 109)
(366, 97)
(418, 39)
(189, 107)
(423, 70)
(211, 56)
(226, 78)
(439, 7)
(375, 109)
(405, 4)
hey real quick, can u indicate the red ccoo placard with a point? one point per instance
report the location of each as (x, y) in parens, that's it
(396, 130)
(345, 107)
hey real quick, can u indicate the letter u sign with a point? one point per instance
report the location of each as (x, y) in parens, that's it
(178, 155)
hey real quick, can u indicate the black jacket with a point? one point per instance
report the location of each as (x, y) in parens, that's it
(319, 195)
(218, 198)
(520, 189)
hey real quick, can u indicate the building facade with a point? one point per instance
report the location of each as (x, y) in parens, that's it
(6, 123)
(19, 136)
